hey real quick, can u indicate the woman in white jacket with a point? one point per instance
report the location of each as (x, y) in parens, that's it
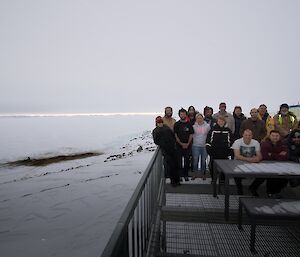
(201, 129)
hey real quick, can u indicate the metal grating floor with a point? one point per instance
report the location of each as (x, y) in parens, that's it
(209, 238)
(224, 240)
(200, 201)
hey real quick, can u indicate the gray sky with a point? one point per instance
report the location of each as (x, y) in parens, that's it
(130, 56)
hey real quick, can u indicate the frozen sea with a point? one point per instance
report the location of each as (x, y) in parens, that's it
(68, 208)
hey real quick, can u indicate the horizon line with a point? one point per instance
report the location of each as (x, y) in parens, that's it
(77, 114)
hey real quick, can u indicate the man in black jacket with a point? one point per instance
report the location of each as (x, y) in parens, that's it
(165, 138)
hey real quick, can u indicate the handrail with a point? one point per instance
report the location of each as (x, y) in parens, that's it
(132, 232)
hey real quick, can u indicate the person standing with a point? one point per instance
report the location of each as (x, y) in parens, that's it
(208, 113)
(165, 138)
(285, 121)
(228, 117)
(191, 115)
(184, 135)
(257, 126)
(246, 149)
(201, 129)
(168, 119)
(239, 117)
(266, 117)
(218, 143)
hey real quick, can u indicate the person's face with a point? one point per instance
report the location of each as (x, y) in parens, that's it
(274, 137)
(284, 111)
(191, 111)
(296, 138)
(222, 107)
(208, 113)
(262, 110)
(221, 122)
(168, 112)
(247, 136)
(238, 111)
(182, 115)
(254, 113)
(199, 119)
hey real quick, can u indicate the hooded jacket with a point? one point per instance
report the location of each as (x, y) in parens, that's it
(294, 149)
(218, 142)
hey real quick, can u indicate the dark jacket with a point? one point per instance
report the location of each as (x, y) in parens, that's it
(294, 149)
(218, 142)
(270, 151)
(238, 121)
(211, 121)
(258, 128)
(165, 138)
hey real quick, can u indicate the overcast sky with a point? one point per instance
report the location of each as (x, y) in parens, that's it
(131, 56)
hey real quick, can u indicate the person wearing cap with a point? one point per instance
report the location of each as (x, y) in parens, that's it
(165, 138)
(168, 119)
(184, 135)
(230, 123)
(285, 121)
(257, 126)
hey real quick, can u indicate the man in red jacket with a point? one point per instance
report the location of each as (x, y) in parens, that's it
(272, 149)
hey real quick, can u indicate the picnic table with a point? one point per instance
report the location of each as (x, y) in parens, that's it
(242, 169)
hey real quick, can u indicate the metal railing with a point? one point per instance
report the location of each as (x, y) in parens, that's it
(132, 234)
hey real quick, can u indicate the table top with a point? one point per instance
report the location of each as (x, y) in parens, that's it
(278, 207)
(240, 168)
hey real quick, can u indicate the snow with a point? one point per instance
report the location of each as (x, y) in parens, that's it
(68, 208)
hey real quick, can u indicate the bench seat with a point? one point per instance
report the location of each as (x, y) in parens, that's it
(269, 210)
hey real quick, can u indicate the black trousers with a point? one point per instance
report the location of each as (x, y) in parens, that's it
(171, 169)
(184, 166)
(274, 185)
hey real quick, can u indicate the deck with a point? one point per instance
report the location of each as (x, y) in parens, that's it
(192, 223)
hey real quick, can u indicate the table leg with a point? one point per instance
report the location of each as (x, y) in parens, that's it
(226, 197)
(214, 182)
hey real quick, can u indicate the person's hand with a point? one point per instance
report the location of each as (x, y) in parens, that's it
(283, 153)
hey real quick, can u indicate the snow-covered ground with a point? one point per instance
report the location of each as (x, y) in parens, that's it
(68, 208)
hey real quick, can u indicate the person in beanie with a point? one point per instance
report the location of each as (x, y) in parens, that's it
(184, 135)
(285, 121)
(165, 138)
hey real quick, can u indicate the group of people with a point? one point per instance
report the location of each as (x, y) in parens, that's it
(187, 143)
